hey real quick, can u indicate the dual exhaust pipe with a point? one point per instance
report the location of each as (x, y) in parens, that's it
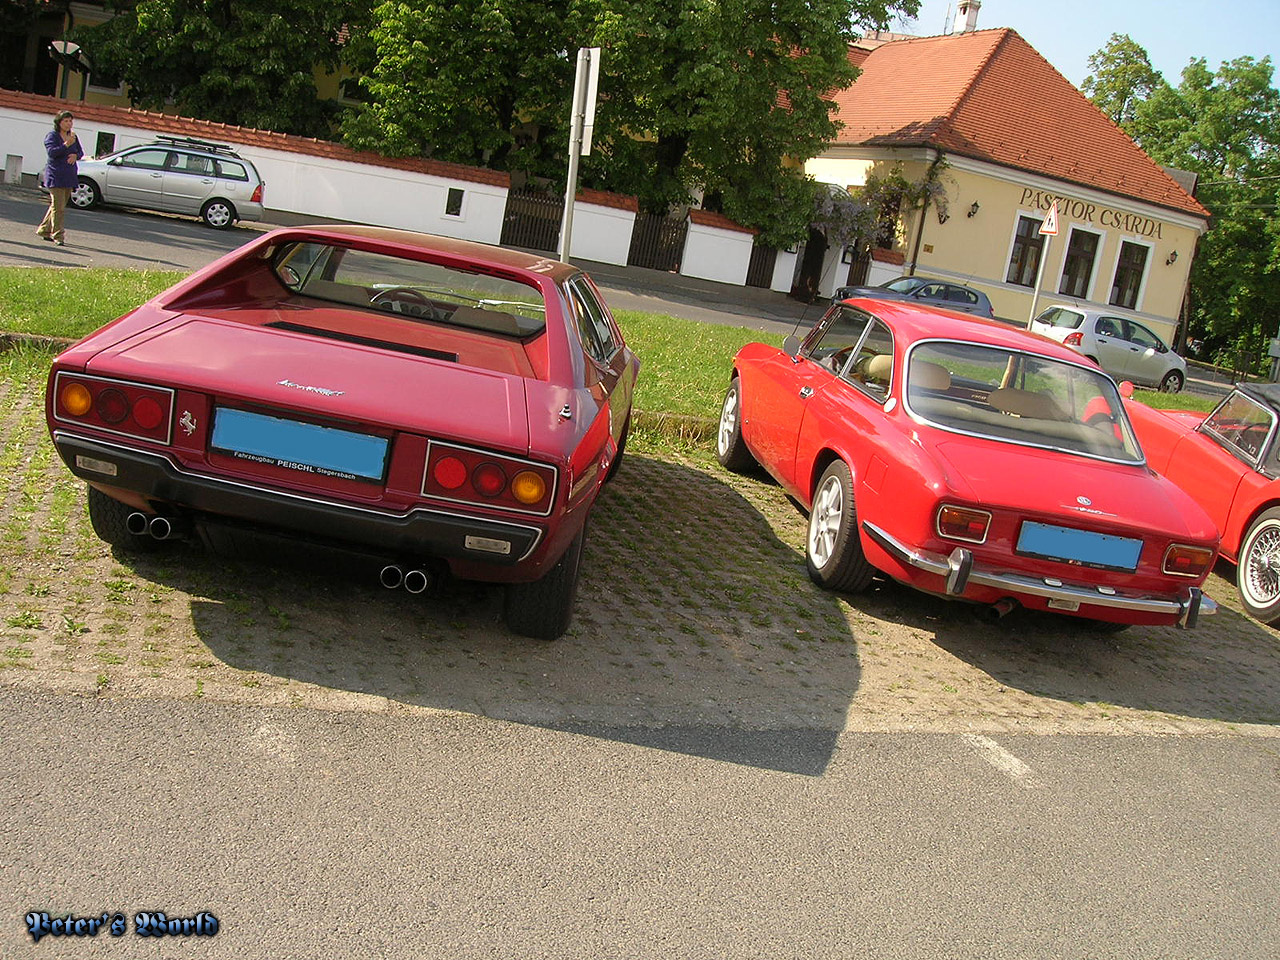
(414, 580)
(162, 528)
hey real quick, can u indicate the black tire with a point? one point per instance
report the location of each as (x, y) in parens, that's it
(108, 518)
(833, 551)
(1258, 572)
(219, 214)
(731, 450)
(622, 447)
(543, 609)
(1172, 382)
(86, 194)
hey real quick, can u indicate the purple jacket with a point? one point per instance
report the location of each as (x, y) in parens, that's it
(57, 172)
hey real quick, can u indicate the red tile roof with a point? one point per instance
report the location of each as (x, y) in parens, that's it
(706, 218)
(990, 96)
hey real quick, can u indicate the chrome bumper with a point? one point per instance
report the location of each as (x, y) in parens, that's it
(958, 570)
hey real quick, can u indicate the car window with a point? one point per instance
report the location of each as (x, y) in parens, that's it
(192, 163)
(1242, 425)
(961, 295)
(903, 284)
(932, 291)
(230, 170)
(856, 347)
(1060, 317)
(1108, 327)
(1020, 398)
(1137, 333)
(145, 159)
(593, 324)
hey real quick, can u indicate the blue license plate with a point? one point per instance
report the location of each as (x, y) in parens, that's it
(305, 447)
(1079, 546)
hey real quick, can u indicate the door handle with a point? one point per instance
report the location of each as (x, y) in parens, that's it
(806, 393)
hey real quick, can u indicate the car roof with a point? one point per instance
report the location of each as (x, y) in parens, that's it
(918, 321)
(1265, 393)
(463, 249)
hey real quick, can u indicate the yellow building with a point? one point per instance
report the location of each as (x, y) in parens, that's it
(1009, 136)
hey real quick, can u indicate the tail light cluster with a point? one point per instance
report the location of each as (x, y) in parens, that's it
(257, 193)
(1184, 560)
(963, 523)
(117, 406)
(467, 475)
(1074, 339)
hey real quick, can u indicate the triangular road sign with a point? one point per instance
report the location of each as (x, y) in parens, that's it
(1050, 225)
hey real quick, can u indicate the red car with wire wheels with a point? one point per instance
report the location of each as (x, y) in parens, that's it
(442, 405)
(967, 459)
(1229, 463)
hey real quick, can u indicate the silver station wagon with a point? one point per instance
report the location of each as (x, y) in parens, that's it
(175, 175)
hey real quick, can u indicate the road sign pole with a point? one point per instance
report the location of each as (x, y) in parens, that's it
(1048, 230)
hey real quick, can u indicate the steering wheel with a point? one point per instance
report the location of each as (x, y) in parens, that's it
(411, 302)
(838, 359)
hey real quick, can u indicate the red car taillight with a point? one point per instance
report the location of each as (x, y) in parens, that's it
(117, 406)
(466, 475)
(1183, 560)
(963, 523)
(257, 194)
(1074, 339)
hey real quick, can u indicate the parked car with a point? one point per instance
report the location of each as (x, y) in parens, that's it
(967, 459)
(175, 175)
(1229, 463)
(1123, 347)
(440, 404)
(940, 293)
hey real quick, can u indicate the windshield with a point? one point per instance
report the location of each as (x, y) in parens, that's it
(903, 284)
(1019, 398)
(413, 289)
(1241, 424)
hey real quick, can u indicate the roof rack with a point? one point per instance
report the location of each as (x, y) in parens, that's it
(193, 142)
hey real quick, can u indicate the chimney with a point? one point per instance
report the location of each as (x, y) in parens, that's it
(966, 16)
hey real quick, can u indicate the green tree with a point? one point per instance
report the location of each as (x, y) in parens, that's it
(1122, 78)
(246, 62)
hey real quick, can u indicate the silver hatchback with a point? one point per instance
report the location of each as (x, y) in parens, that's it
(175, 175)
(1122, 347)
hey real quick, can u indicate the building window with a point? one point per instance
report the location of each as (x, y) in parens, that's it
(1077, 271)
(1130, 269)
(453, 205)
(1027, 247)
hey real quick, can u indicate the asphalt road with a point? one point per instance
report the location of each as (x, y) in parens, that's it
(424, 833)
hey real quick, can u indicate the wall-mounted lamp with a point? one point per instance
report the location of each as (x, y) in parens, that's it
(973, 209)
(848, 254)
(1172, 259)
(943, 216)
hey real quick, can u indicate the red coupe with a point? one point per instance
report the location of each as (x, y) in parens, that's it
(1229, 462)
(431, 402)
(967, 459)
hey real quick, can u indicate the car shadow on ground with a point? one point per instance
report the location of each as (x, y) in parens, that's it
(696, 630)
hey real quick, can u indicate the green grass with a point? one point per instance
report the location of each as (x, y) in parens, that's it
(54, 302)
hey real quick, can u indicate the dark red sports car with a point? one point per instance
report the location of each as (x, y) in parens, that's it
(967, 459)
(432, 402)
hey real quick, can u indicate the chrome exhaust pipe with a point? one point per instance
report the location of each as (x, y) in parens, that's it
(416, 581)
(137, 523)
(391, 576)
(168, 528)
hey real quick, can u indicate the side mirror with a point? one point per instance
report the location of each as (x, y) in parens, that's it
(791, 346)
(1126, 389)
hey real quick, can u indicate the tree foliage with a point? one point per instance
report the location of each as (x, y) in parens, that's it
(1224, 126)
(246, 62)
(1122, 78)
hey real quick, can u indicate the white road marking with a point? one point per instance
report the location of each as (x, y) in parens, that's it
(1001, 759)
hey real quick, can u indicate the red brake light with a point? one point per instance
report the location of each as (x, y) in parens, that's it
(450, 472)
(132, 409)
(257, 194)
(483, 478)
(963, 523)
(1074, 339)
(1184, 560)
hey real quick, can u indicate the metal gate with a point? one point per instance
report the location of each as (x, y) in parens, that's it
(532, 220)
(760, 269)
(657, 242)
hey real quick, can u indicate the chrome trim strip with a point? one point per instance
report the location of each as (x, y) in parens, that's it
(936, 564)
(271, 491)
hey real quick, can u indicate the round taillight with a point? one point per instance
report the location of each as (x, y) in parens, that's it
(528, 487)
(113, 406)
(147, 413)
(76, 399)
(450, 472)
(488, 479)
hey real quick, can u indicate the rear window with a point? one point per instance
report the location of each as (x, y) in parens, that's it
(231, 170)
(1061, 317)
(1020, 398)
(415, 290)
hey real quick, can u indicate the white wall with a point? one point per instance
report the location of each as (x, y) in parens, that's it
(601, 233)
(784, 272)
(712, 253)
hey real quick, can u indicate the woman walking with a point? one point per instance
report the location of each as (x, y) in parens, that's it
(59, 176)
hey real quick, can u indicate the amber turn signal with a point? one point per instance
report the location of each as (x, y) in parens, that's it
(528, 487)
(76, 399)
(1183, 560)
